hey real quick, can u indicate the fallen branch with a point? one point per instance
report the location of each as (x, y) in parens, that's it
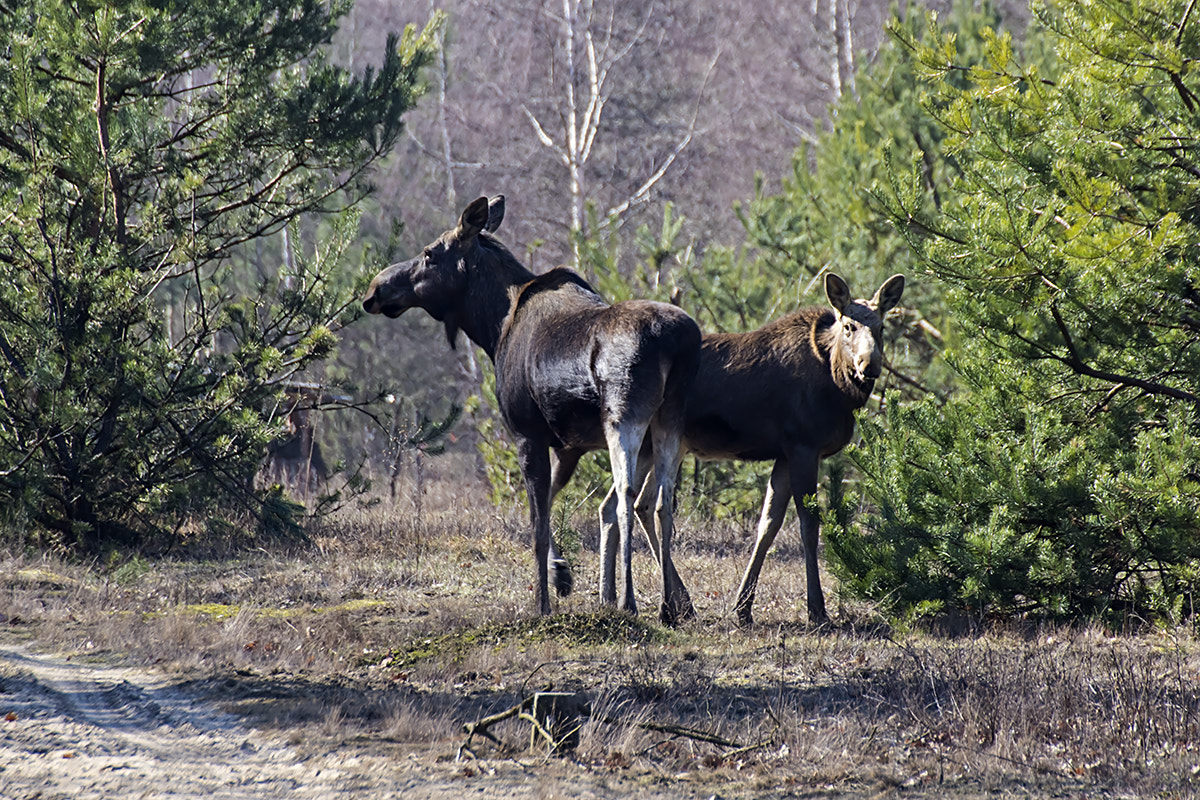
(522, 709)
(537, 727)
(481, 727)
(747, 749)
(675, 730)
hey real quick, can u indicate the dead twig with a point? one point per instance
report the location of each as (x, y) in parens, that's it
(675, 730)
(537, 727)
(521, 711)
(481, 727)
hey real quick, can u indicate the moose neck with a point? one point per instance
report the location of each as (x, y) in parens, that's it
(827, 342)
(492, 283)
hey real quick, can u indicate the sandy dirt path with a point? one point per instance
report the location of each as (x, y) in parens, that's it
(71, 728)
(74, 729)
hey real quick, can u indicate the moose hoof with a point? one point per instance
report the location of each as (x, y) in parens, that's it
(564, 581)
(671, 614)
(816, 613)
(744, 611)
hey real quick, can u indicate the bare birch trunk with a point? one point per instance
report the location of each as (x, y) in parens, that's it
(443, 124)
(844, 42)
(570, 7)
(835, 64)
(586, 93)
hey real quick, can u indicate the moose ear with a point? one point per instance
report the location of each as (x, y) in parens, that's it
(473, 220)
(838, 292)
(888, 296)
(495, 213)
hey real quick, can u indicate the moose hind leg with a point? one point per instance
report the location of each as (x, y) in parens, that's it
(624, 442)
(646, 509)
(676, 603)
(610, 528)
(610, 532)
(535, 467)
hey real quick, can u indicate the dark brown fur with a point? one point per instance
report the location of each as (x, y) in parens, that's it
(572, 372)
(787, 393)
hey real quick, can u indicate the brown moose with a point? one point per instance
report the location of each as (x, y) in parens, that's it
(572, 373)
(787, 393)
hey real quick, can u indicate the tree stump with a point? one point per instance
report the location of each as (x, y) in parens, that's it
(556, 720)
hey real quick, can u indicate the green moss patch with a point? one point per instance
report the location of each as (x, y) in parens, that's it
(42, 577)
(219, 612)
(569, 630)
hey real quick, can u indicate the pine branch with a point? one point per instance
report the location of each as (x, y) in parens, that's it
(1076, 363)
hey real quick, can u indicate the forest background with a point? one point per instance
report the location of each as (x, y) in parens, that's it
(1033, 448)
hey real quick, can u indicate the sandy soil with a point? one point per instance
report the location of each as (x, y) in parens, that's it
(72, 728)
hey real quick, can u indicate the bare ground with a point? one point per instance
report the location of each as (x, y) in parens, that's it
(348, 666)
(78, 728)
(75, 728)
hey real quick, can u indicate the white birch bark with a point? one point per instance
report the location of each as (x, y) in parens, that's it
(589, 54)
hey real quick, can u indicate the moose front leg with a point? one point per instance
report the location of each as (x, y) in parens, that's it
(779, 491)
(563, 462)
(804, 491)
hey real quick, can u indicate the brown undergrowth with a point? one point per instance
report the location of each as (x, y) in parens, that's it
(400, 628)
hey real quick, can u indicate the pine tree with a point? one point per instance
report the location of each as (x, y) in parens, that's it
(1063, 478)
(831, 214)
(146, 144)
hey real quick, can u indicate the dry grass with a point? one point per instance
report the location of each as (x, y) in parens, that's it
(401, 628)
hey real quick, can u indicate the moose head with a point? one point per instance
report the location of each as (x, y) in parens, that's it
(856, 338)
(436, 280)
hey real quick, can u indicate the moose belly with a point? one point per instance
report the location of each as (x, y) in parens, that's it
(573, 420)
(714, 438)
